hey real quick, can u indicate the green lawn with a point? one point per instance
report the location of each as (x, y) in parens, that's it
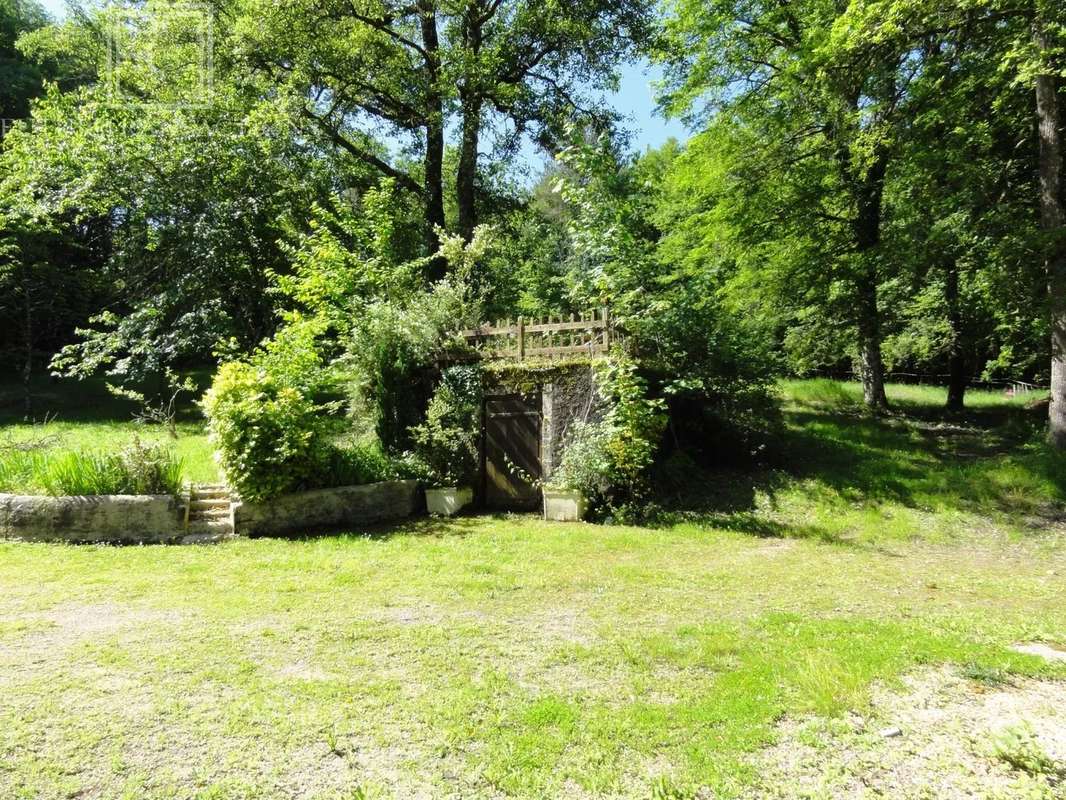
(81, 415)
(505, 656)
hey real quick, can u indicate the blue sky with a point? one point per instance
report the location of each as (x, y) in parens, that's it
(633, 98)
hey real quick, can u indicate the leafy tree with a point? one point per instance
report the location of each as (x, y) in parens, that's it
(412, 70)
(710, 364)
(191, 195)
(1025, 41)
(20, 78)
(811, 116)
(961, 223)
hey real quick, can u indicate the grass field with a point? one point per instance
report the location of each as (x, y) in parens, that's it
(728, 652)
(83, 416)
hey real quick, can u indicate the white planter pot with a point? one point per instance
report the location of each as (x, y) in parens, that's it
(564, 505)
(449, 500)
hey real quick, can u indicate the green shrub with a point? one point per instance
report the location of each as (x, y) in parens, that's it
(447, 442)
(585, 465)
(391, 350)
(355, 465)
(150, 469)
(138, 469)
(636, 423)
(610, 460)
(269, 438)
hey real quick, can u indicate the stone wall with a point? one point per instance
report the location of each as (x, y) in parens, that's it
(569, 397)
(100, 518)
(329, 509)
(156, 519)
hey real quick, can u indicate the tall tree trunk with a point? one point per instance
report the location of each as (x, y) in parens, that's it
(466, 178)
(957, 377)
(867, 240)
(871, 367)
(434, 157)
(471, 99)
(27, 365)
(1051, 221)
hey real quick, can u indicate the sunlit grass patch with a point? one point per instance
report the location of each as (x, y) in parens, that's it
(504, 655)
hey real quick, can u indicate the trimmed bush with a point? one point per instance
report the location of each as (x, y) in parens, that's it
(269, 438)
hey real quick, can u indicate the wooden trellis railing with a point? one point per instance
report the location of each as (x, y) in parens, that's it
(554, 337)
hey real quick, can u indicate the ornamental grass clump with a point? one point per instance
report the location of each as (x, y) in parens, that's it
(137, 469)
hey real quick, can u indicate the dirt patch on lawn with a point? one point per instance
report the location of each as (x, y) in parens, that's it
(944, 735)
(69, 624)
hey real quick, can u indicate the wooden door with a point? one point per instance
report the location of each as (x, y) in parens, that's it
(511, 439)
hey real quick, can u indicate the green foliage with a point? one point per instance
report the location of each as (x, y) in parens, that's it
(586, 464)
(269, 437)
(351, 250)
(863, 170)
(447, 441)
(354, 465)
(609, 460)
(20, 77)
(391, 349)
(636, 423)
(176, 198)
(420, 71)
(711, 362)
(137, 469)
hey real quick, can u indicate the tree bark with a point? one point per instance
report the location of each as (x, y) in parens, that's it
(957, 377)
(867, 240)
(871, 367)
(472, 99)
(466, 179)
(1051, 223)
(434, 156)
(27, 366)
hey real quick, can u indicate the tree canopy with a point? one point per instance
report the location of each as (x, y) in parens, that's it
(872, 186)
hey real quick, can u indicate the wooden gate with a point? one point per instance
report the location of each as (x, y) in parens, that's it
(511, 439)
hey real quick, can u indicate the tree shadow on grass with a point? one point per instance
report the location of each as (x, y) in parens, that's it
(87, 400)
(984, 461)
(421, 526)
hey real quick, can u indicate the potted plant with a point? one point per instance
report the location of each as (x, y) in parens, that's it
(562, 504)
(447, 441)
(583, 473)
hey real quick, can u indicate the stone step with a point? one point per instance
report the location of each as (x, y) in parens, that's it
(210, 514)
(203, 504)
(208, 526)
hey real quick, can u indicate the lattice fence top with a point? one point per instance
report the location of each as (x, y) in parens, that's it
(553, 337)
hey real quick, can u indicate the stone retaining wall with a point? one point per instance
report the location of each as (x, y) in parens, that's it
(151, 519)
(329, 509)
(99, 518)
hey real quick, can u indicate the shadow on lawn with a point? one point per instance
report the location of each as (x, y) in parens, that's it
(986, 460)
(86, 400)
(412, 526)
